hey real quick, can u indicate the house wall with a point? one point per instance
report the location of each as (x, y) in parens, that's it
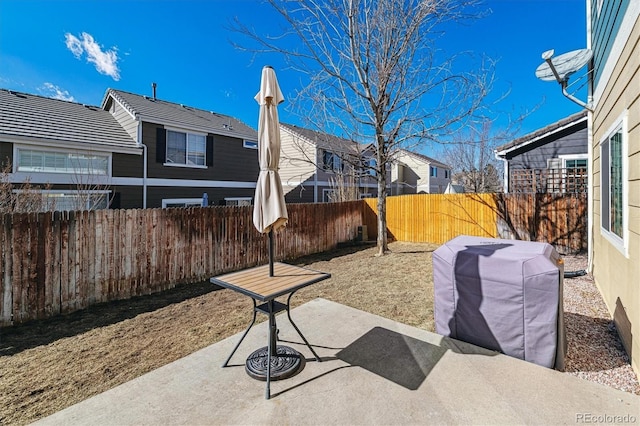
(616, 271)
(534, 156)
(410, 175)
(231, 161)
(127, 165)
(128, 123)
(233, 174)
(296, 167)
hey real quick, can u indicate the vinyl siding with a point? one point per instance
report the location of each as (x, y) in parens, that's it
(122, 116)
(604, 30)
(231, 161)
(535, 155)
(125, 165)
(616, 272)
(417, 177)
(296, 156)
(216, 196)
(130, 197)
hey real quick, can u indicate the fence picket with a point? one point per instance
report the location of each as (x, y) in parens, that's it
(61, 262)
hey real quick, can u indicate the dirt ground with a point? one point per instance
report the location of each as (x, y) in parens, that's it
(49, 365)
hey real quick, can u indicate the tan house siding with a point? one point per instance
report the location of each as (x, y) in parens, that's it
(412, 175)
(296, 168)
(616, 271)
(128, 123)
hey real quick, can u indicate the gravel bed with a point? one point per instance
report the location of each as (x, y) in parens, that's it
(595, 351)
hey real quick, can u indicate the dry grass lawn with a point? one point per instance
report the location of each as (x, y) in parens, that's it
(50, 365)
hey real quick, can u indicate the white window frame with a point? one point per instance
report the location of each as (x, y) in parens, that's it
(569, 157)
(188, 202)
(238, 200)
(621, 243)
(53, 193)
(16, 160)
(186, 154)
(249, 144)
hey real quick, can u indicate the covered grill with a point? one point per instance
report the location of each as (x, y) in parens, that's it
(504, 295)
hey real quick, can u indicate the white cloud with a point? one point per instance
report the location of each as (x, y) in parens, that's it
(106, 62)
(52, 91)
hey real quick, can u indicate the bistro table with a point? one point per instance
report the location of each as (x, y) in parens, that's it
(272, 362)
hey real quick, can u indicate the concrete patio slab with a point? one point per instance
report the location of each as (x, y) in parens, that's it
(373, 371)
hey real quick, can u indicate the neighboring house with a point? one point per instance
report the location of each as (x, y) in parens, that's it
(187, 152)
(551, 159)
(614, 151)
(313, 165)
(72, 150)
(413, 173)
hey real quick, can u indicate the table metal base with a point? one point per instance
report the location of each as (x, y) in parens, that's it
(285, 363)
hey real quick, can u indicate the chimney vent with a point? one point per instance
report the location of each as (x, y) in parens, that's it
(154, 85)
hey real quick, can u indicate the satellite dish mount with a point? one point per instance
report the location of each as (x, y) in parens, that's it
(561, 67)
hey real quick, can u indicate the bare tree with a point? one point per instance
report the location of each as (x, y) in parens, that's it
(344, 187)
(92, 190)
(471, 156)
(375, 75)
(22, 198)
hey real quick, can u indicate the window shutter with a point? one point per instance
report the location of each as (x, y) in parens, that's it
(161, 145)
(209, 150)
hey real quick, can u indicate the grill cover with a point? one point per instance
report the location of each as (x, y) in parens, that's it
(504, 295)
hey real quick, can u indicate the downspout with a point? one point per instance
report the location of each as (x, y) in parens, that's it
(315, 186)
(590, 114)
(144, 166)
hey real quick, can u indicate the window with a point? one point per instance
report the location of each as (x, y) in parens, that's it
(331, 161)
(612, 167)
(186, 149)
(371, 170)
(237, 201)
(72, 200)
(250, 144)
(181, 202)
(39, 161)
(433, 171)
(580, 163)
(446, 174)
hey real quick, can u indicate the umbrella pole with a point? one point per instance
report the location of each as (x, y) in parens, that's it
(271, 252)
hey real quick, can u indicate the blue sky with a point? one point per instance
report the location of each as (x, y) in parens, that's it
(77, 49)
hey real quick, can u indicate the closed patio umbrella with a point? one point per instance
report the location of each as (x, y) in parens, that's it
(270, 211)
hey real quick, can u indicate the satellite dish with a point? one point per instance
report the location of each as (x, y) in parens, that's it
(561, 67)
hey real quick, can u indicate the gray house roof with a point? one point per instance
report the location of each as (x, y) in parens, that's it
(324, 140)
(544, 132)
(154, 110)
(26, 118)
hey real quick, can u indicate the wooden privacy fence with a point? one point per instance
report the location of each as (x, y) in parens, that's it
(558, 219)
(53, 263)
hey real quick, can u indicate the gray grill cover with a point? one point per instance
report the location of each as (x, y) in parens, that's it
(504, 295)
